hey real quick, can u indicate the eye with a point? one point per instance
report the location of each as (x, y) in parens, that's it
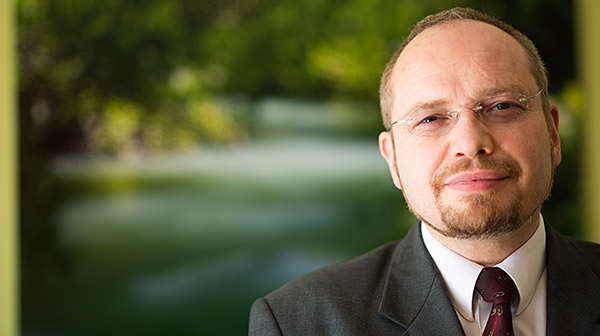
(503, 111)
(429, 122)
(432, 119)
(503, 106)
(507, 105)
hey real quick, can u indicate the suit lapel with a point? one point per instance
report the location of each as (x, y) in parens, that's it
(415, 295)
(573, 290)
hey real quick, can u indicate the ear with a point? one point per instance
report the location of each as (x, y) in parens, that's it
(386, 148)
(554, 134)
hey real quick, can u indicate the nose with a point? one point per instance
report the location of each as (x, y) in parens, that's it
(470, 136)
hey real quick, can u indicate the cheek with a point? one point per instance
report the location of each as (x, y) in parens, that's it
(416, 168)
(533, 151)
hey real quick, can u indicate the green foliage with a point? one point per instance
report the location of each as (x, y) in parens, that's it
(87, 66)
(78, 57)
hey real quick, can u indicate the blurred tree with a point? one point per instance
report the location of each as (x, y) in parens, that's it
(81, 62)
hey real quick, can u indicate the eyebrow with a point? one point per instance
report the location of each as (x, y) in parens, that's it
(511, 88)
(429, 105)
(439, 103)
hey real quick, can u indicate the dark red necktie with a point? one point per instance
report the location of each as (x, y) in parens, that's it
(497, 288)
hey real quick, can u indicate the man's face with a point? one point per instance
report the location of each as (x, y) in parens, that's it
(476, 180)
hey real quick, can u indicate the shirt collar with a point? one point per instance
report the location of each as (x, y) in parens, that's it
(525, 266)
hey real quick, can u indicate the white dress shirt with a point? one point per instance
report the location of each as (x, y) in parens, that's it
(526, 266)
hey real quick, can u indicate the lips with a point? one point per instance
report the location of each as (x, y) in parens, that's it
(476, 181)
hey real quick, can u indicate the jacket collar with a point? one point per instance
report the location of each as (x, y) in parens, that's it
(415, 295)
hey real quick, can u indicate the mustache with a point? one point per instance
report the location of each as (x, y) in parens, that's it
(506, 166)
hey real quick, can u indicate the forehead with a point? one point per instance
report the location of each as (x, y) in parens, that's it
(458, 60)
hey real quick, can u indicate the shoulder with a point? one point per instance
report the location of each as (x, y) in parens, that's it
(570, 258)
(585, 248)
(572, 248)
(337, 299)
(356, 276)
(345, 298)
(361, 278)
(573, 286)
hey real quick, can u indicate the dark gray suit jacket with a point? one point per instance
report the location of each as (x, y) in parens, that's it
(397, 290)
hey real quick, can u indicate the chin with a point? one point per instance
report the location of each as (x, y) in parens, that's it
(481, 216)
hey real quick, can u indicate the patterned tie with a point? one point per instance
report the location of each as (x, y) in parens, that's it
(496, 287)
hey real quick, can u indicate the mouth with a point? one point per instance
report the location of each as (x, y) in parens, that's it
(476, 182)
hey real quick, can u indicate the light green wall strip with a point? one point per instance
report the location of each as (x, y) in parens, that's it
(587, 14)
(8, 176)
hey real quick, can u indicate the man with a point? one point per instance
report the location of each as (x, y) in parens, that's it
(472, 143)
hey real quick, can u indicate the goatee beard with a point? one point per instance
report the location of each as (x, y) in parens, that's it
(482, 216)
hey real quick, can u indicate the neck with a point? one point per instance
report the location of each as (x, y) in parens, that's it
(489, 251)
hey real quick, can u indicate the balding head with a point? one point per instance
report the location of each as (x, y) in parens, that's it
(535, 66)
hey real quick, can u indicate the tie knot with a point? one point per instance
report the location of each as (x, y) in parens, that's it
(495, 286)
